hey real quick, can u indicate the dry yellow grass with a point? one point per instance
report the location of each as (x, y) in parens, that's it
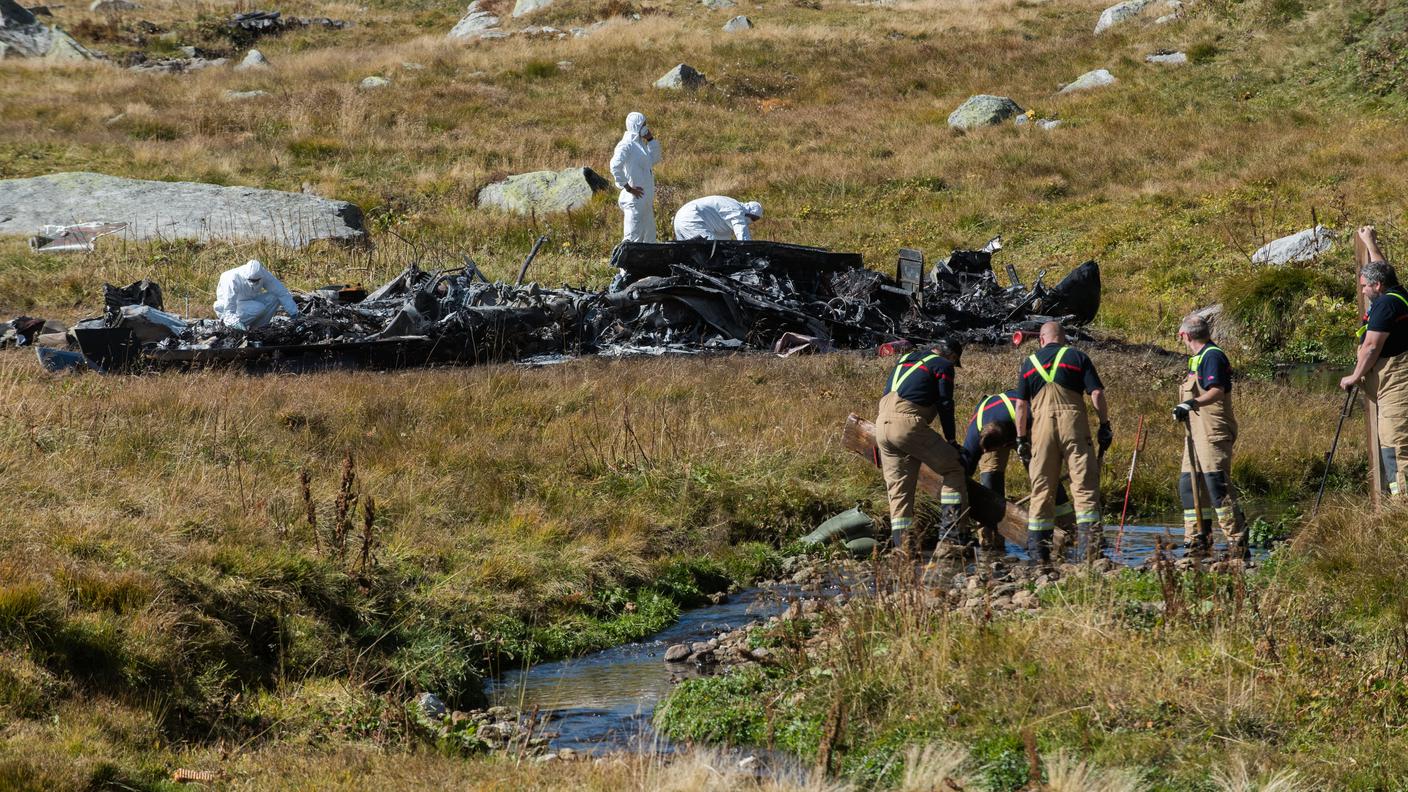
(153, 526)
(1154, 176)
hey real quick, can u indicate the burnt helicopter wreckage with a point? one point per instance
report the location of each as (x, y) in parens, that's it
(677, 297)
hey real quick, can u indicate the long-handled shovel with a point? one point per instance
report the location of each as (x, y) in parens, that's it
(1197, 476)
(1330, 456)
(1139, 437)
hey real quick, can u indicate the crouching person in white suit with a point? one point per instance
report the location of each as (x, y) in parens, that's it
(717, 217)
(249, 295)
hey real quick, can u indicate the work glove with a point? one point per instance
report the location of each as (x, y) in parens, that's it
(1180, 411)
(1024, 450)
(1105, 436)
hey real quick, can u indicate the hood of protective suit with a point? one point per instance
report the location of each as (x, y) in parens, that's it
(251, 270)
(635, 127)
(753, 209)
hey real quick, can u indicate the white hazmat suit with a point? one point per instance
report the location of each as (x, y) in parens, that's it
(631, 166)
(248, 295)
(716, 217)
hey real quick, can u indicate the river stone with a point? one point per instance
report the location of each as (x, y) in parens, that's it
(983, 110)
(1304, 245)
(543, 192)
(1097, 78)
(254, 59)
(431, 706)
(529, 6)
(677, 653)
(1025, 599)
(738, 23)
(475, 23)
(1168, 58)
(682, 77)
(1119, 14)
(175, 210)
(178, 65)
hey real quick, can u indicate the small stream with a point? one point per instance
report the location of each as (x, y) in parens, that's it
(604, 702)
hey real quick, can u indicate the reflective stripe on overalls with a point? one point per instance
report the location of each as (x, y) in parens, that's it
(1191, 515)
(1197, 360)
(1049, 376)
(1035, 523)
(1364, 328)
(1011, 409)
(898, 378)
(947, 497)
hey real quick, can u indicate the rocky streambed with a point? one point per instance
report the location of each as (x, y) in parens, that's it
(604, 702)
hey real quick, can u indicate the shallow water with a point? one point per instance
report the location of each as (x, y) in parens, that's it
(604, 702)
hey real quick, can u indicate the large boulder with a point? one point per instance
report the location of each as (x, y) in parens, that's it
(1097, 78)
(254, 59)
(1304, 245)
(682, 77)
(1167, 58)
(475, 23)
(544, 192)
(529, 6)
(983, 110)
(1120, 13)
(175, 210)
(23, 36)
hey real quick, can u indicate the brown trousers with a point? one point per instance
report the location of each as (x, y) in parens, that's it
(1061, 433)
(906, 442)
(1386, 385)
(1214, 429)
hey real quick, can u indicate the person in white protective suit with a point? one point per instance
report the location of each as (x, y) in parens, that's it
(248, 295)
(717, 217)
(632, 167)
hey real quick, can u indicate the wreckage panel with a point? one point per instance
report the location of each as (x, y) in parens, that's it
(674, 297)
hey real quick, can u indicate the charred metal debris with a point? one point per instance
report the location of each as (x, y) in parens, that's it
(678, 297)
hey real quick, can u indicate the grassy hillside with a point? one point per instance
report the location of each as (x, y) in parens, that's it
(833, 114)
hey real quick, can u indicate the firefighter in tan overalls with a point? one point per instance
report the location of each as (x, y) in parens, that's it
(1207, 409)
(1052, 427)
(1382, 365)
(919, 389)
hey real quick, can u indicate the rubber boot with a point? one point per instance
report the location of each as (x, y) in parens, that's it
(1039, 547)
(1202, 546)
(897, 539)
(1090, 544)
(953, 540)
(1239, 551)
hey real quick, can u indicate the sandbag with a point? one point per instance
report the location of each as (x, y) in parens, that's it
(863, 547)
(848, 525)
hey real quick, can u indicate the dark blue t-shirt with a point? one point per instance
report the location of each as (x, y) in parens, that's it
(992, 410)
(1075, 371)
(929, 384)
(1388, 313)
(1212, 368)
